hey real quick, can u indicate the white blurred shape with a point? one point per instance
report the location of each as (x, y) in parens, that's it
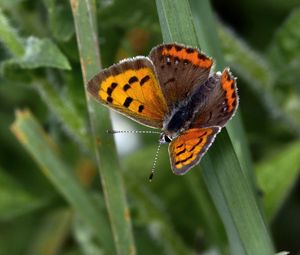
(125, 142)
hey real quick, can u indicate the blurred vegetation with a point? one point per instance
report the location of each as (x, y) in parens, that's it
(51, 199)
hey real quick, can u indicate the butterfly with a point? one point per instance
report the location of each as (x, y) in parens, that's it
(174, 90)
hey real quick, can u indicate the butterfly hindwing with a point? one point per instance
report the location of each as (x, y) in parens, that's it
(179, 70)
(220, 104)
(188, 148)
(131, 88)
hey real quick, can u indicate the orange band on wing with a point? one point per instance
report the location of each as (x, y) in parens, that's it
(228, 85)
(189, 54)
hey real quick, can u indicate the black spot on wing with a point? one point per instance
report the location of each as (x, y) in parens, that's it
(184, 160)
(126, 87)
(190, 50)
(133, 79)
(111, 88)
(113, 85)
(109, 99)
(178, 48)
(141, 108)
(181, 152)
(109, 91)
(199, 142)
(201, 56)
(204, 134)
(145, 79)
(179, 146)
(127, 101)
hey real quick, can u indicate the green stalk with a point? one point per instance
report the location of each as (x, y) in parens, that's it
(31, 135)
(107, 159)
(230, 186)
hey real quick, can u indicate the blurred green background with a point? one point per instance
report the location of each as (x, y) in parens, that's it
(40, 72)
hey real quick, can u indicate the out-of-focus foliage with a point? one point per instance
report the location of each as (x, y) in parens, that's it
(40, 71)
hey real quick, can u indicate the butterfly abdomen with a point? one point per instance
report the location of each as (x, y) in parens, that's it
(184, 115)
(180, 119)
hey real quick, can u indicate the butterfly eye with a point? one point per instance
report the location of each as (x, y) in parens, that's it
(167, 139)
(164, 138)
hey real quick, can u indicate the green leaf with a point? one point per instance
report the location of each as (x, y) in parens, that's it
(260, 77)
(285, 46)
(277, 175)
(60, 19)
(9, 4)
(249, 64)
(107, 159)
(151, 210)
(284, 55)
(53, 231)
(42, 53)
(66, 113)
(31, 135)
(10, 37)
(227, 182)
(85, 238)
(15, 200)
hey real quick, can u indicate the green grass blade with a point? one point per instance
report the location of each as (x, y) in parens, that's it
(106, 155)
(254, 68)
(38, 144)
(276, 176)
(235, 201)
(10, 37)
(227, 182)
(66, 113)
(15, 200)
(208, 213)
(158, 220)
(85, 238)
(52, 232)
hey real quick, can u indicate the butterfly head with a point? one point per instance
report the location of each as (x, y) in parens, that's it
(164, 138)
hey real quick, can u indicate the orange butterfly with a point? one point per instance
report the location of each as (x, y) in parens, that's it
(171, 89)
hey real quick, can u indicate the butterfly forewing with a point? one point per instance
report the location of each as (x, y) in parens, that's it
(180, 70)
(131, 88)
(188, 148)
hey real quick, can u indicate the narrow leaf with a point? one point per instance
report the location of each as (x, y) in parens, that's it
(259, 75)
(277, 175)
(10, 37)
(52, 232)
(106, 155)
(44, 151)
(60, 19)
(65, 112)
(229, 186)
(15, 200)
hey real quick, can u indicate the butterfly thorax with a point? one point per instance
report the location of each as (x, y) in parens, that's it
(178, 121)
(183, 114)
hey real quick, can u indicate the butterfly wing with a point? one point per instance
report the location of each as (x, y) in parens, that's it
(220, 101)
(187, 149)
(131, 88)
(179, 70)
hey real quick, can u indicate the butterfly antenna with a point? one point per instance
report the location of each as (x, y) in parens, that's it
(132, 132)
(154, 162)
